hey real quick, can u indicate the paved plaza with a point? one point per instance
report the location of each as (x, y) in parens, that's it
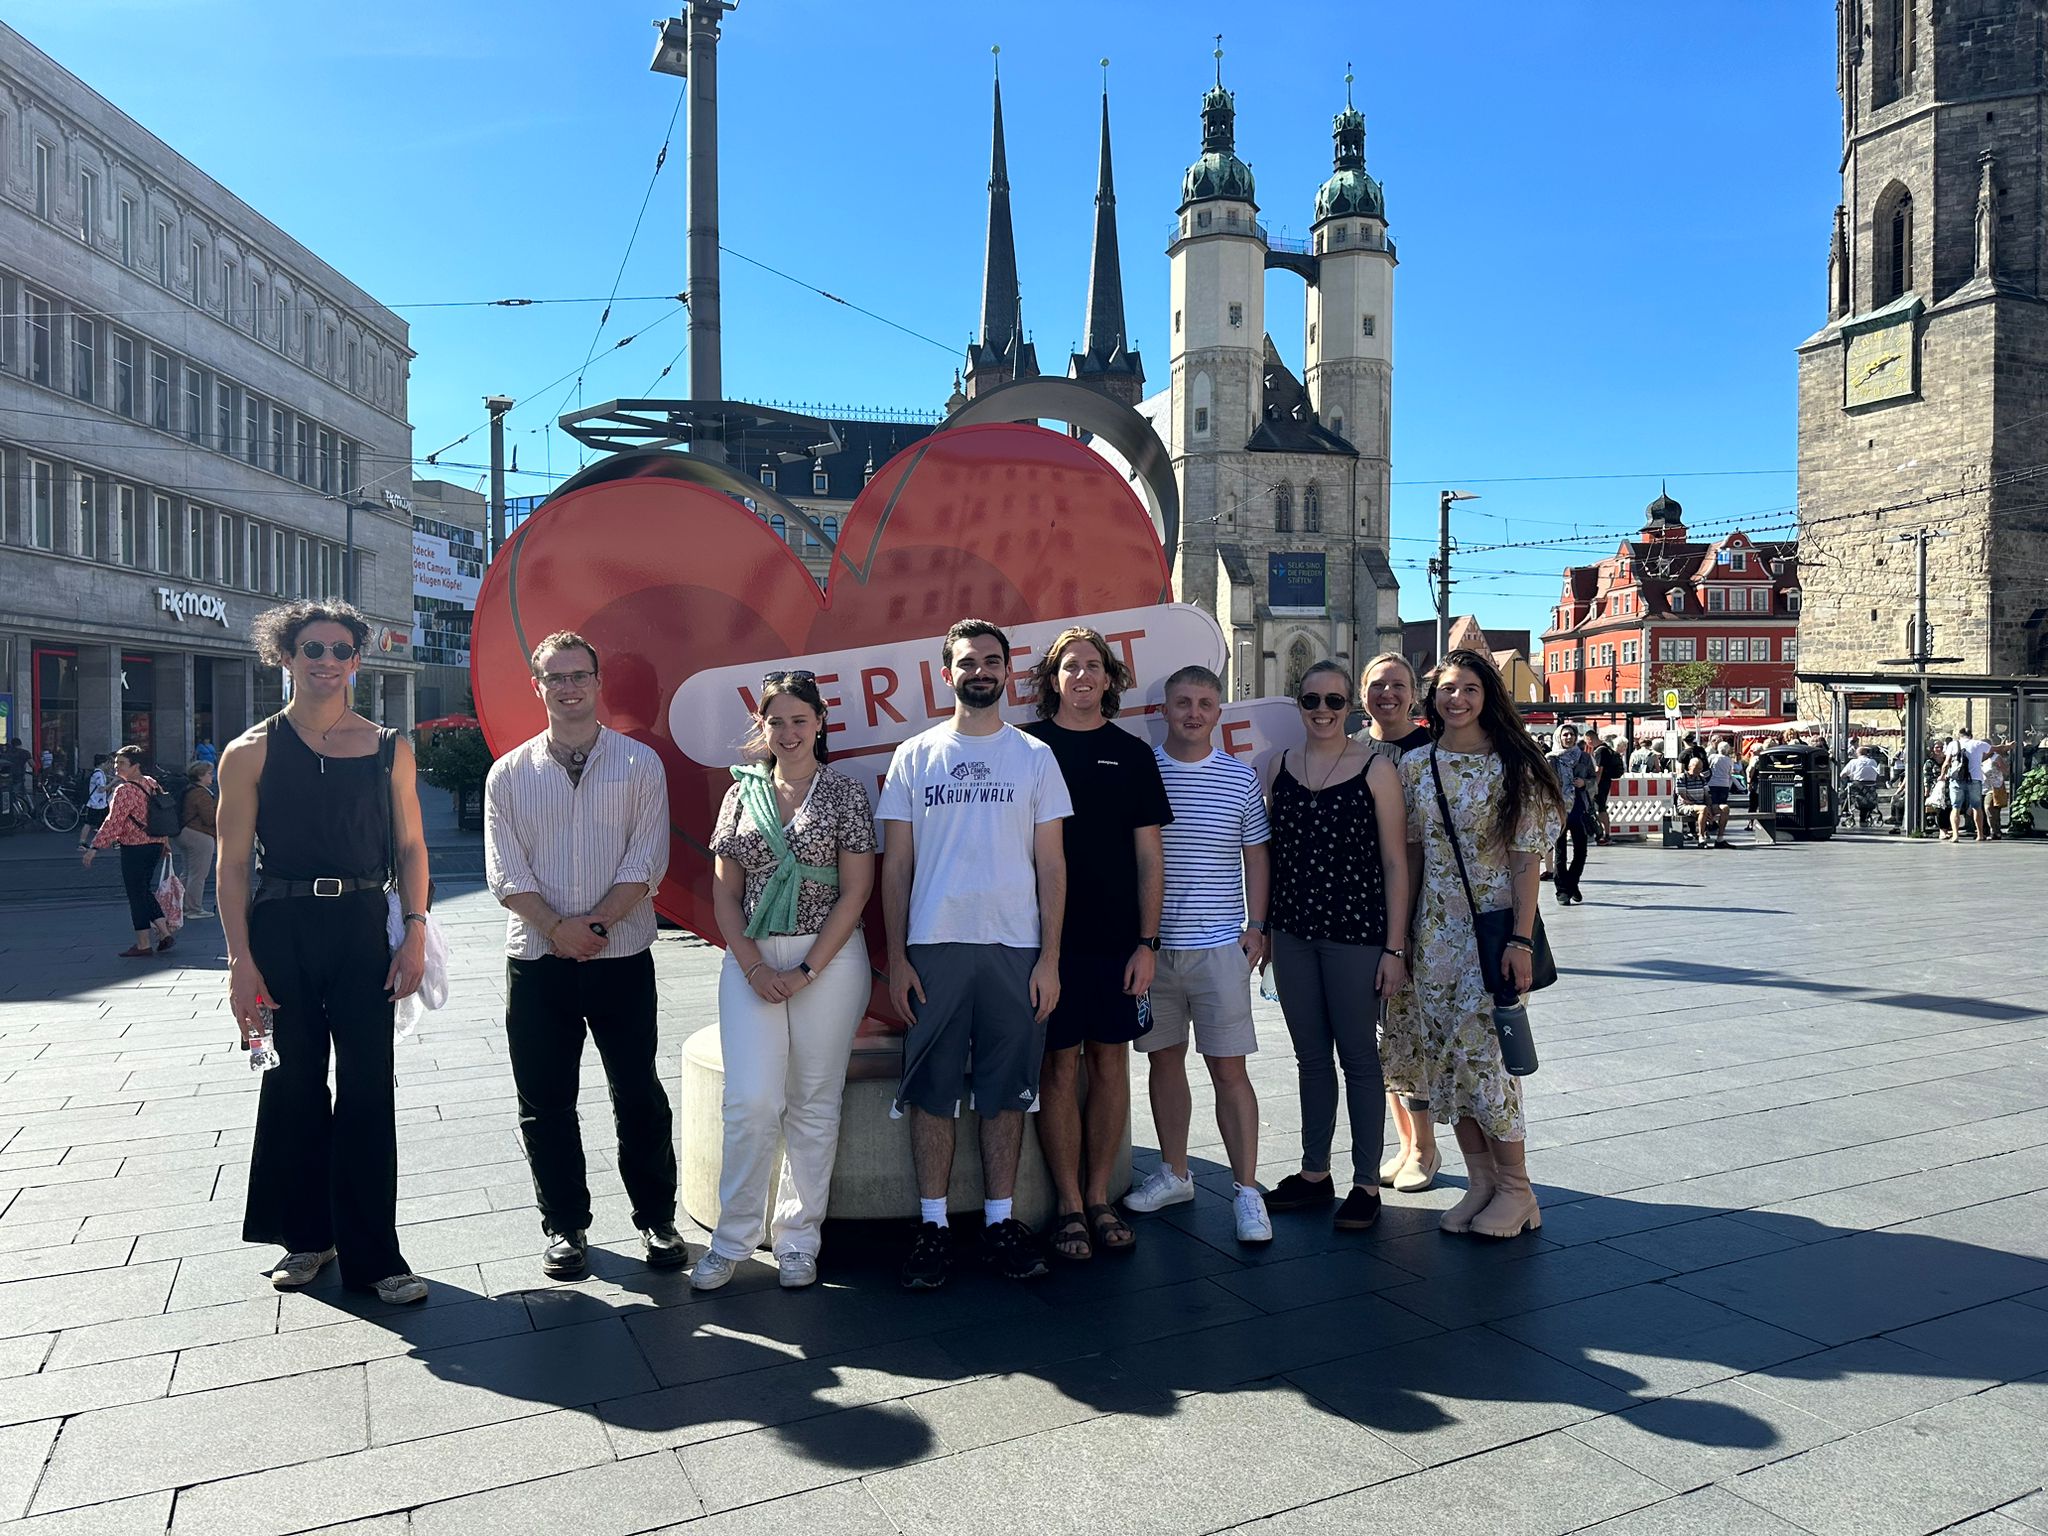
(1791, 1138)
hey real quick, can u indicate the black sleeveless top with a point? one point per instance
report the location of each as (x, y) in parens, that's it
(1327, 881)
(319, 816)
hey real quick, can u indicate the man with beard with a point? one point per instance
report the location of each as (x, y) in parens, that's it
(974, 887)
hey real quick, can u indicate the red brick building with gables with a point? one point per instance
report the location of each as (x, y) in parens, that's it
(1664, 599)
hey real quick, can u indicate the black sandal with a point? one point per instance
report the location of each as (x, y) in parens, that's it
(1069, 1231)
(1104, 1225)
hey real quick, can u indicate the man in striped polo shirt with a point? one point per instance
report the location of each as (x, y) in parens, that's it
(1212, 935)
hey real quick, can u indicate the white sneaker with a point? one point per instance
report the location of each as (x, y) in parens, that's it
(712, 1271)
(1162, 1188)
(1253, 1224)
(399, 1290)
(798, 1270)
(298, 1269)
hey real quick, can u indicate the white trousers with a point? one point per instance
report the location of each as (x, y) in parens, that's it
(785, 1070)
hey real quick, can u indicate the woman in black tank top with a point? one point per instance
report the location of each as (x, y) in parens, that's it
(325, 804)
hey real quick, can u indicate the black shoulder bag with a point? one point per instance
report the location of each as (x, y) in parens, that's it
(1492, 930)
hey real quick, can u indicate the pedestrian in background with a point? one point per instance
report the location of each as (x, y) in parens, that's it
(196, 835)
(142, 854)
(1608, 769)
(98, 789)
(1575, 776)
(795, 849)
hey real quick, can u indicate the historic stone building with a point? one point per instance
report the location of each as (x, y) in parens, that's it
(1923, 401)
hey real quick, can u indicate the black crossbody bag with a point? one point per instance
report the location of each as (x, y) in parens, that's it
(1492, 930)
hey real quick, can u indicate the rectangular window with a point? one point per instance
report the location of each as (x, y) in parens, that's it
(284, 321)
(252, 554)
(1677, 600)
(126, 230)
(39, 343)
(195, 405)
(325, 477)
(196, 259)
(345, 457)
(124, 375)
(160, 391)
(1717, 700)
(256, 309)
(306, 339)
(305, 570)
(1792, 601)
(1629, 654)
(352, 365)
(163, 533)
(42, 499)
(326, 567)
(163, 254)
(1674, 650)
(224, 414)
(224, 545)
(252, 428)
(1738, 648)
(124, 523)
(88, 206)
(227, 291)
(1790, 644)
(1717, 600)
(1606, 655)
(333, 358)
(88, 543)
(1631, 696)
(195, 543)
(303, 442)
(277, 562)
(1368, 324)
(1717, 648)
(1788, 701)
(276, 441)
(42, 176)
(1738, 559)
(84, 358)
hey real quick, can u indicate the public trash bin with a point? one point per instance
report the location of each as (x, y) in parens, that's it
(1795, 792)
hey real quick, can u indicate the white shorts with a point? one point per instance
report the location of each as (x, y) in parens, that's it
(1210, 989)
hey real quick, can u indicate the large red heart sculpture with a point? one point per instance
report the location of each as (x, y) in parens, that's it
(667, 578)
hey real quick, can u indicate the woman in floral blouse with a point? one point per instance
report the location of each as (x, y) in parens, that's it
(127, 825)
(1438, 1041)
(795, 849)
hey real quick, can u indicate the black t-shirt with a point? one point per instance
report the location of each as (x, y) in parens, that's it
(1113, 780)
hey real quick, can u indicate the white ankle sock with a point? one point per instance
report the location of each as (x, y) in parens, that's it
(993, 1211)
(932, 1210)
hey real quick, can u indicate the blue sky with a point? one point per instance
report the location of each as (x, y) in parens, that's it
(1612, 217)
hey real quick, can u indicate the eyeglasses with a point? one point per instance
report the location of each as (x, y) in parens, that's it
(578, 679)
(772, 679)
(1324, 701)
(313, 650)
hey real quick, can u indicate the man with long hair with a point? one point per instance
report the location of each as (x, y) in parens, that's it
(1115, 886)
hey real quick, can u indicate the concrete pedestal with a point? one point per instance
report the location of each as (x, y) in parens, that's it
(873, 1179)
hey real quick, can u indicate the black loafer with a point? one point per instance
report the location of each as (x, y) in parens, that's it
(1294, 1193)
(665, 1248)
(1361, 1208)
(566, 1257)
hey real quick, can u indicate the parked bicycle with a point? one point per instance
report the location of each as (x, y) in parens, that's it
(51, 806)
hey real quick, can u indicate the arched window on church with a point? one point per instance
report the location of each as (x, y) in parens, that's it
(1200, 399)
(1311, 511)
(1283, 509)
(1892, 232)
(1300, 657)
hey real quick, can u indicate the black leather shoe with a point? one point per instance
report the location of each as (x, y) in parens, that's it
(665, 1249)
(566, 1257)
(1294, 1193)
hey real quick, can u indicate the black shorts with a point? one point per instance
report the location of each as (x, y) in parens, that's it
(1093, 1004)
(977, 1008)
(1717, 796)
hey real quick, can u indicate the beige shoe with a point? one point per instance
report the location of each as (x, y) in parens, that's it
(1396, 1161)
(1478, 1194)
(1419, 1172)
(1513, 1209)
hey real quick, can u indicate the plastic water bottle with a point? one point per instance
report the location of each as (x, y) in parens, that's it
(262, 1044)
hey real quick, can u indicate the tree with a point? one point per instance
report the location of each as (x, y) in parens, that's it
(1692, 679)
(456, 760)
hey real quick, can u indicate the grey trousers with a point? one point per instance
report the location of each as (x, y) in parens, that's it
(1329, 995)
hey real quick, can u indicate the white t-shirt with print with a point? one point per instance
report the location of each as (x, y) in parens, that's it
(974, 805)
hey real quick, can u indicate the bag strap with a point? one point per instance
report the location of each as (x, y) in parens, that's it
(387, 753)
(1451, 831)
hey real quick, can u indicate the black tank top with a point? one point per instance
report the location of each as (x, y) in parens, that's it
(1327, 881)
(319, 815)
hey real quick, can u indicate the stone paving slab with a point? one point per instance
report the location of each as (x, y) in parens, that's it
(1793, 1275)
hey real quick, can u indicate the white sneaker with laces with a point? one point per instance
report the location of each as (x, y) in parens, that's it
(711, 1271)
(1253, 1224)
(798, 1270)
(399, 1290)
(298, 1269)
(1163, 1187)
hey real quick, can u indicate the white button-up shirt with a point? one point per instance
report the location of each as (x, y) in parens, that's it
(572, 842)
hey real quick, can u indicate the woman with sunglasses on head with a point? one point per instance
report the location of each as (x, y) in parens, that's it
(127, 824)
(1390, 729)
(1338, 903)
(1505, 810)
(795, 849)
(326, 806)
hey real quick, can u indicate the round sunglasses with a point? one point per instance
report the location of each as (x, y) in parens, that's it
(313, 650)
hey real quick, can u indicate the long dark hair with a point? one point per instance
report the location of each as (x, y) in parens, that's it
(1526, 771)
(805, 691)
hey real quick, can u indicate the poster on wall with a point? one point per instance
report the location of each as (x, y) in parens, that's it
(1296, 585)
(435, 572)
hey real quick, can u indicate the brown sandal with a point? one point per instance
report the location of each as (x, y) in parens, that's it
(1110, 1231)
(1069, 1237)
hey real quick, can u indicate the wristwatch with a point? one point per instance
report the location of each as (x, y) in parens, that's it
(1257, 925)
(1398, 954)
(805, 967)
(600, 930)
(1151, 944)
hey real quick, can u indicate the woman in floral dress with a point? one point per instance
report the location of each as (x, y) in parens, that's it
(1438, 1042)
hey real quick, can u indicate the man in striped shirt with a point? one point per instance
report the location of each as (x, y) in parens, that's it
(1212, 935)
(575, 840)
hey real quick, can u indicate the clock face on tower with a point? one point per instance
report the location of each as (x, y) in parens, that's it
(1879, 366)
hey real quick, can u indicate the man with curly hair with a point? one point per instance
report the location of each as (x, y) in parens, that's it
(1115, 889)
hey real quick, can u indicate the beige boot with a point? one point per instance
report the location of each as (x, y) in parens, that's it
(1513, 1208)
(1479, 1183)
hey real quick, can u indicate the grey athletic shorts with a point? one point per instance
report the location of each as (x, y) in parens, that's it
(977, 1001)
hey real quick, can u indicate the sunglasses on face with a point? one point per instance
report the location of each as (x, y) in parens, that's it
(577, 679)
(776, 679)
(1324, 701)
(313, 650)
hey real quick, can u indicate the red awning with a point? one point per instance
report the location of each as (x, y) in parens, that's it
(448, 723)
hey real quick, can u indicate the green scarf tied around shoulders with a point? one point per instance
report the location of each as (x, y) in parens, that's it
(775, 912)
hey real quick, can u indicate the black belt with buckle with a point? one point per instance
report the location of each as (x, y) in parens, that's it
(325, 885)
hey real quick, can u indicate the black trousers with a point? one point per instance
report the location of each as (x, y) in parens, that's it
(325, 1175)
(139, 865)
(1574, 834)
(549, 1003)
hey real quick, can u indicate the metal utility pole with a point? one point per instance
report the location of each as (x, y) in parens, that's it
(1440, 567)
(497, 405)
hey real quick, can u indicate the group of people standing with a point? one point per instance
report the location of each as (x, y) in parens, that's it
(1051, 894)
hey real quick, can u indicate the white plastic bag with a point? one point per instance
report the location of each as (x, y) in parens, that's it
(433, 988)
